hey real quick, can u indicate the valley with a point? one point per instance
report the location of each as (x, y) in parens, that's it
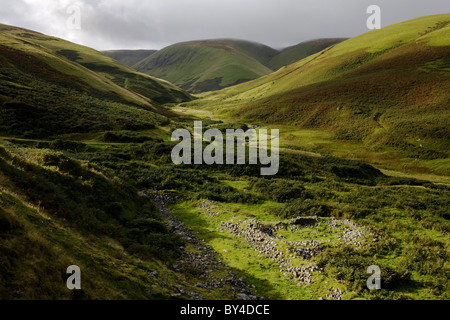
(86, 175)
(199, 66)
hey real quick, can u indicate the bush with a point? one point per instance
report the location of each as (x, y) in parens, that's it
(8, 224)
(359, 173)
(91, 203)
(425, 255)
(125, 137)
(63, 163)
(224, 193)
(281, 190)
(67, 145)
(298, 208)
(345, 264)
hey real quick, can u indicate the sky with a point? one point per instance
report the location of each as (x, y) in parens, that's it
(154, 24)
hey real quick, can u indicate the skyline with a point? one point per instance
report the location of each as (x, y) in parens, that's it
(154, 24)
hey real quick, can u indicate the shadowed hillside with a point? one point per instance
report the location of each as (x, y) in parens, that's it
(51, 86)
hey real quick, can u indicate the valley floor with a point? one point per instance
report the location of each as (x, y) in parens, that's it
(311, 232)
(322, 142)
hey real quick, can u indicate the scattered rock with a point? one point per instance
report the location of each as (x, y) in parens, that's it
(335, 294)
(263, 239)
(208, 207)
(352, 233)
(202, 260)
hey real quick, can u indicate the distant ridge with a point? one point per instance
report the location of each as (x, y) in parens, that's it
(300, 51)
(206, 65)
(129, 57)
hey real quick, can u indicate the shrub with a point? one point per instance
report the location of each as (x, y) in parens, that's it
(125, 137)
(67, 145)
(359, 173)
(8, 224)
(224, 193)
(298, 208)
(345, 264)
(281, 190)
(63, 163)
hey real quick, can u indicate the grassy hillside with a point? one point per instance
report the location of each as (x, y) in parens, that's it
(45, 229)
(300, 51)
(129, 57)
(157, 90)
(50, 86)
(208, 65)
(200, 66)
(388, 89)
(68, 203)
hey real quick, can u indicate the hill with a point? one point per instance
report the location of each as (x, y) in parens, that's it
(47, 85)
(388, 88)
(200, 66)
(208, 65)
(129, 57)
(300, 51)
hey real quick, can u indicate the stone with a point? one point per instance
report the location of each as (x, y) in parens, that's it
(242, 296)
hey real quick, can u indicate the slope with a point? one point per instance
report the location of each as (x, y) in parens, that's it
(209, 65)
(48, 85)
(200, 66)
(388, 88)
(129, 57)
(68, 203)
(300, 51)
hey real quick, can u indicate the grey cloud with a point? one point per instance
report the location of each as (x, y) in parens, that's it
(153, 24)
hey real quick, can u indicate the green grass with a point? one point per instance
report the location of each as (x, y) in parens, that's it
(200, 66)
(39, 250)
(379, 97)
(318, 67)
(397, 210)
(152, 88)
(42, 232)
(206, 65)
(263, 273)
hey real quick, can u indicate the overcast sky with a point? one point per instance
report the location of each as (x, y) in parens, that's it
(153, 24)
